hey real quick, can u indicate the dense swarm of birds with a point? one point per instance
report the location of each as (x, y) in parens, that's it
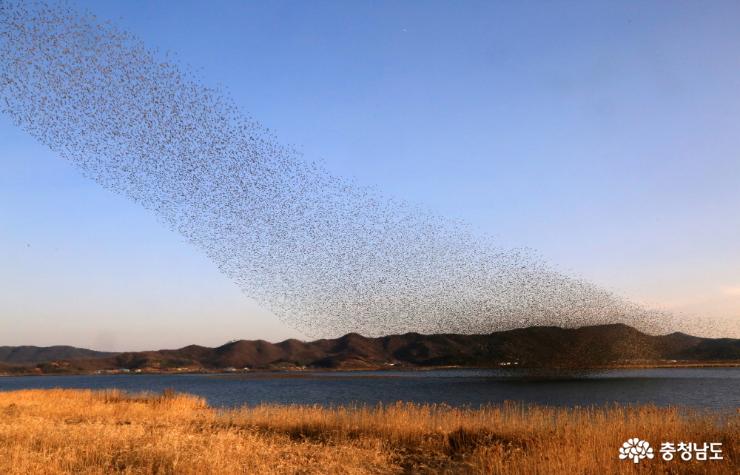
(324, 255)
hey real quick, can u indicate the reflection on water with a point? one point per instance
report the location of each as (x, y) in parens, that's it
(717, 388)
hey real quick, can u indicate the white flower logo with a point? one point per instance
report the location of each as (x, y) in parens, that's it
(636, 450)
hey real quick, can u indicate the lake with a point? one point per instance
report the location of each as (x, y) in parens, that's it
(716, 388)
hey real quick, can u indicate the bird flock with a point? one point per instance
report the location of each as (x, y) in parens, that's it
(324, 255)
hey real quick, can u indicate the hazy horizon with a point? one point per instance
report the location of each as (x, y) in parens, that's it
(609, 148)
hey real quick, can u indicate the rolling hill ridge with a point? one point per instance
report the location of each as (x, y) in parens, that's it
(534, 347)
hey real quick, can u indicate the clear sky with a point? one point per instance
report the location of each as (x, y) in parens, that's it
(603, 134)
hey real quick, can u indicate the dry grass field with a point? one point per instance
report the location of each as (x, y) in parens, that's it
(87, 432)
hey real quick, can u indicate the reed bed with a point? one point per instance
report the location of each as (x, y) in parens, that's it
(96, 432)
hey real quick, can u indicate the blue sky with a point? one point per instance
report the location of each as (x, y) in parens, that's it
(602, 134)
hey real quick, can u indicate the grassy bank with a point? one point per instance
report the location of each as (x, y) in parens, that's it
(74, 431)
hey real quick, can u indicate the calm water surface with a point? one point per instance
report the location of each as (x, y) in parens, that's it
(710, 388)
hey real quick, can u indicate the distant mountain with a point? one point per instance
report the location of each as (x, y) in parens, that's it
(534, 347)
(39, 354)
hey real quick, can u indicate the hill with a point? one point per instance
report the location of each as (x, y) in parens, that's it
(41, 354)
(534, 347)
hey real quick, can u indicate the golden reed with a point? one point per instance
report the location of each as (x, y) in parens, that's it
(102, 432)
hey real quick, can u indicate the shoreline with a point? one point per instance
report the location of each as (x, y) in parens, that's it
(396, 369)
